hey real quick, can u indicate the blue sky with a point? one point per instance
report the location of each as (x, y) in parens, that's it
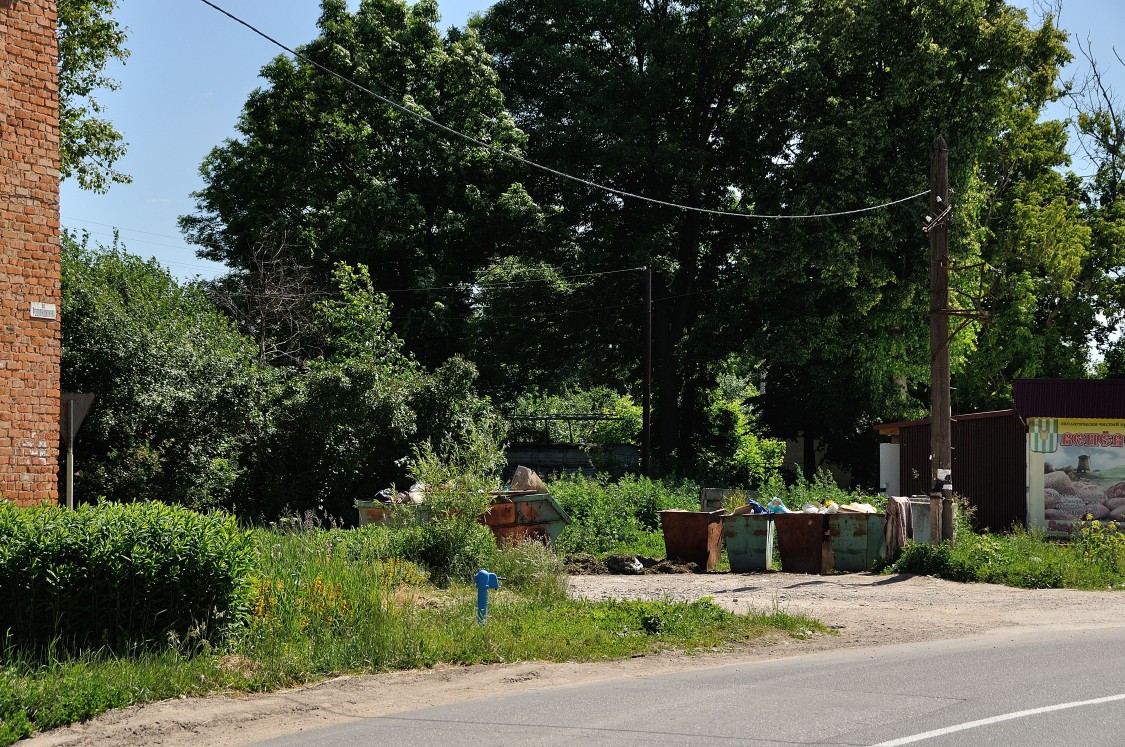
(191, 70)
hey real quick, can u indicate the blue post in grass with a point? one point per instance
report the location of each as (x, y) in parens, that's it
(485, 581)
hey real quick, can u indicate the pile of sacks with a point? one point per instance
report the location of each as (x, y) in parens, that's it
(1069, 499)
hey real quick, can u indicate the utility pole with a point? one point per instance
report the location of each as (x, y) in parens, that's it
(940, 409)
(646, 404)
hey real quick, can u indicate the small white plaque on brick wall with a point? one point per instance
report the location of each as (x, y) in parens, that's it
(43, 311)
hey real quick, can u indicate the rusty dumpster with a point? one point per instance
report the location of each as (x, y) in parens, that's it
(749, 541)
(516, 516)
(693, 537)
(803, 543)
(513, 516)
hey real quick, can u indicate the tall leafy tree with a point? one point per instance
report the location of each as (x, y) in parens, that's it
(347, 177)
(678, 101)
(766, 107)
(174, 382)
(90, 39)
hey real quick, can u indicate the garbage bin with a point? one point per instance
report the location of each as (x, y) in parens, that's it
(749, 540)
(857, 540)
(693, 537)
(802, 542)
(517, 516)
(371, 512)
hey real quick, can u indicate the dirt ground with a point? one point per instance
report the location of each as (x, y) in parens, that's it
(863, 610)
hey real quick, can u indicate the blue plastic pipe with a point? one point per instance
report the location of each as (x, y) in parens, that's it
(485, 581)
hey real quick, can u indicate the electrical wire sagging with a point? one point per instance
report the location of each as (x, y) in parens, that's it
(541, 167)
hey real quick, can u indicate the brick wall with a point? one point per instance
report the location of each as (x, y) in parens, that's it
(29, 251)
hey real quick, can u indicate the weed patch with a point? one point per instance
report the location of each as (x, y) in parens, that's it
(1093, 558)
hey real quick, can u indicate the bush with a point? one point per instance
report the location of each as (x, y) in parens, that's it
(606, 516)
(121, 576)
(1094, 558)
(175, 381)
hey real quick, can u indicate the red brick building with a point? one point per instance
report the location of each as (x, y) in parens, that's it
(29, 251)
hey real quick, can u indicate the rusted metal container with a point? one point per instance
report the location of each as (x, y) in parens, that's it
(516, 517)
(371, 512)
(377, 512)
(749, 541)
(857, 540)
(693, 537)
(513, 516)
(802, 540)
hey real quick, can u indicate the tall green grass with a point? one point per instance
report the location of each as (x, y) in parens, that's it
(324, 603)
(1092, 558)
(618, 516)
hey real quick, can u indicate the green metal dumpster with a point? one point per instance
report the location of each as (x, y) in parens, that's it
(803, 543)
(856, 539)
(693, 537)
(749, 540)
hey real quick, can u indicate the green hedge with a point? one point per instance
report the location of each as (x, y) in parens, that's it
(121, 576)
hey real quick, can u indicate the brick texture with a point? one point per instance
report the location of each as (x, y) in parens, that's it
(29, 251)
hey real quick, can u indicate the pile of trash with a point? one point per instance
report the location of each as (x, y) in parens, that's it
(416, 495)
(775, 506)
(585, 564)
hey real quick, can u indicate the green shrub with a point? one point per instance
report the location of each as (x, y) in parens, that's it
(1093, 558)
(120, 576)
(607, 516)
(531, 568)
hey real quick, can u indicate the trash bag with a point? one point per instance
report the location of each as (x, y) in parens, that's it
(526, 479)
(777, 507)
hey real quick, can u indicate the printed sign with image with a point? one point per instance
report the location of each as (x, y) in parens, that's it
(1083, 470)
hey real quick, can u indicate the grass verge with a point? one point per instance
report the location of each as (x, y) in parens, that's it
(324, 605)
(1092, 558)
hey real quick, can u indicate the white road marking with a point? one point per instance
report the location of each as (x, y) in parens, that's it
(997, 719)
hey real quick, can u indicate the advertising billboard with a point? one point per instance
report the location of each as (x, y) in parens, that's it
(1076, 472)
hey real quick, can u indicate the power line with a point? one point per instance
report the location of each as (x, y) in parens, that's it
(122, 228)
(527, 162)
(129, 239)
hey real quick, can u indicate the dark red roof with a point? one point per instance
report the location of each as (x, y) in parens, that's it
(1070, 398)
(893, 428)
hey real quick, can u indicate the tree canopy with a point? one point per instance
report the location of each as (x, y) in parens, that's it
(347, 177)
(89, 40)
(726, 110)
(767, 107)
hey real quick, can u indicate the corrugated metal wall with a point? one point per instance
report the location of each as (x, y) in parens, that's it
(914, 464)
(1070, 398)
(989, 467)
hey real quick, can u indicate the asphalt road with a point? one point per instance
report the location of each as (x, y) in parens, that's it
(1058, 686)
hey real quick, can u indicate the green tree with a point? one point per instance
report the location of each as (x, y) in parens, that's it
(174, 381)
(342, 426)
(353, 179)
(89, 40)
(766, 107)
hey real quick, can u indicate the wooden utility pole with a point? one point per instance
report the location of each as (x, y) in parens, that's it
(940, 410)
(646, 405)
